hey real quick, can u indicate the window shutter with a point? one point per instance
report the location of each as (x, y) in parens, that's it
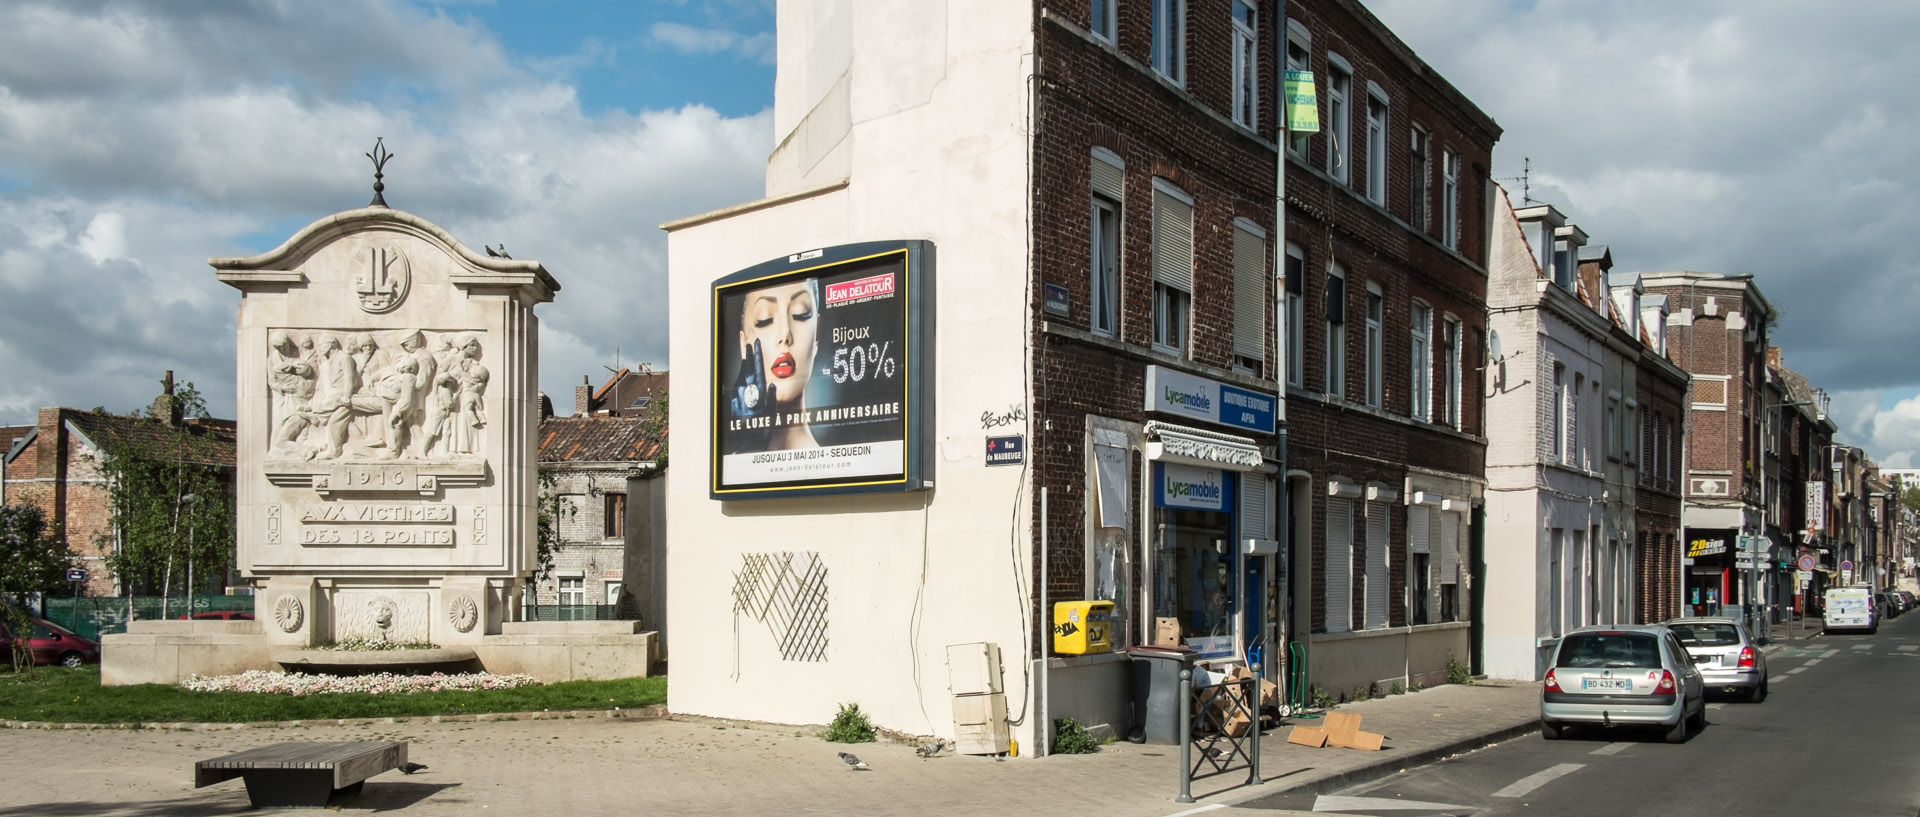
(1110, 474)
(1256, 521)
(1172, 241)
(1377, 580)
(1418, 531)
(1249, 294)
(1449, 547)
(1108, 180)
(1339, 565)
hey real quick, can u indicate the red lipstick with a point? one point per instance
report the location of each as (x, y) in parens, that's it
(783, 366)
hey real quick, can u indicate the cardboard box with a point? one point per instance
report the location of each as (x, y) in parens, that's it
(1269, 694)
(1309, 736)
(1166, 632)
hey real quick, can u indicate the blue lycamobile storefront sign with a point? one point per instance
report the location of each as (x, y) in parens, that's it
(1192, 396)
(1191, 487)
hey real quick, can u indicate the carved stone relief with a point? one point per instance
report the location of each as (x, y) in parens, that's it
(289, 614)
(384, 277)
(412, 395)
(463, 613)
(381, 615)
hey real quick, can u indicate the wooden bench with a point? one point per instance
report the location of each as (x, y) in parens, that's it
(302, 774)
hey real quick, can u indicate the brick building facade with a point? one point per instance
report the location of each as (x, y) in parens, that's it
(599, 468)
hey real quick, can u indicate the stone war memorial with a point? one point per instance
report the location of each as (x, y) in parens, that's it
(387, 476)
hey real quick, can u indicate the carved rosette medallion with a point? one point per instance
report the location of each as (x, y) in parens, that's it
(288, 614)
(382, 278)
(463, 613)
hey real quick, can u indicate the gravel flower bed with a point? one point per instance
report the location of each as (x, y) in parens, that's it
(296, 683)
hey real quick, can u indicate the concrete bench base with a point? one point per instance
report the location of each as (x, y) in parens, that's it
(302, 774)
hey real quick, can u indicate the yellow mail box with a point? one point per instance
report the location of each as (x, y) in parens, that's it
(1082, 627)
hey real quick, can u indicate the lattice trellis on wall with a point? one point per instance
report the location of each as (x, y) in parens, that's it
(786, 591)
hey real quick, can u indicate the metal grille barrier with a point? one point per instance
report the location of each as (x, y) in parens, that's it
(93, 616)
(1225, 735)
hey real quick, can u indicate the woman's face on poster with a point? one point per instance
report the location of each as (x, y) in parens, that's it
(781, 318)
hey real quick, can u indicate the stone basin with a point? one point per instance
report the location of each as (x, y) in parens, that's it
(367, 662)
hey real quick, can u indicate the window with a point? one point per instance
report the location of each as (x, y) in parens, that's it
(1450, 199)
(1417, 173)
(1558, 433)
(1378, 585)
(1170, 39)
(1172, 266)
(1419, 564)
(1450, 565)
(1336, 383)
(1576, 453)
(1339, 572)
(1100, 18)
(616, 516)
(1246, 64)
(1376, 316)
(1296, 313)
(1108, 184)
(573, 590)
(1339, 88)
(1376, 146)
(1612, 431)
(1299, 58)
(1249, 297)
(1421, 365)
(1450, 373)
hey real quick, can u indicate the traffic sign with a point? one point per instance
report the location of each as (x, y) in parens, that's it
(75, 574)
(1807, 562)
(1846, 565)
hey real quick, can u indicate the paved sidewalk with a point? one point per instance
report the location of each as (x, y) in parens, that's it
(606, 766)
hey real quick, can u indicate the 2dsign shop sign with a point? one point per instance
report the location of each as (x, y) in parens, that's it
(1171, 392)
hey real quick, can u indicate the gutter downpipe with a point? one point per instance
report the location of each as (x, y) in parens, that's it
(1282, 523)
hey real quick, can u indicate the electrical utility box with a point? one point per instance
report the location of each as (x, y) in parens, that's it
(1082, 627)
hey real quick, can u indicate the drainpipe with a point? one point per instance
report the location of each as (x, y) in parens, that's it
(1283, 504)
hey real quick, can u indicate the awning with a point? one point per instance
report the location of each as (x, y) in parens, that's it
(1167, 442)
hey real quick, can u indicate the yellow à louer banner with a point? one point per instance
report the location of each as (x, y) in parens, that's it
(1303, 107)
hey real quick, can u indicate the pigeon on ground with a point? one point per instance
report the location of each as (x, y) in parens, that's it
(410, 768)
(856, 763)
(928, 750)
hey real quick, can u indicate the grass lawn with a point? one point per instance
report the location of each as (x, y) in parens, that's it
(76, 696)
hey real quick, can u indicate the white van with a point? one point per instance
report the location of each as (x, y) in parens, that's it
(1851, 608)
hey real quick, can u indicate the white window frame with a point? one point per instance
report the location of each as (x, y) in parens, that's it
(1246, 63)
(1421, 385)
(578, 590)
(1376, 342)
(1379, 114)
(1451, 338)
(1336, 334)
(1172, 299)
(1169, 25)
(1450, 199)
(1296, 285)
(1100, 19)
(1576, 448)
(1103, 291)
(1299, 54)
(1338, 125)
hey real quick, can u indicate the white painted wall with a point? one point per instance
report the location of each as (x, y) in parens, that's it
(936, 149)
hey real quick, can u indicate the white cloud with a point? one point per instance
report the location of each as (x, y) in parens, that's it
(695, 40)
(190, 133)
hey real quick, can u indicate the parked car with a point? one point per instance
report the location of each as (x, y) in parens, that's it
(1850, 608)
(220, 615)
(1726, 654)
(1889, 609)
(1622, 676)
(54, 644)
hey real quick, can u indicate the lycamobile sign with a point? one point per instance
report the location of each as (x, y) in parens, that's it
(1198, 398)
(1186, 486)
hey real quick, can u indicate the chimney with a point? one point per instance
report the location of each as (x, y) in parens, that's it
(583, 397)
(164, 407)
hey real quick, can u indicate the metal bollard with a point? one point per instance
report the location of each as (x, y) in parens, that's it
(1186, 737)
(1253, 757)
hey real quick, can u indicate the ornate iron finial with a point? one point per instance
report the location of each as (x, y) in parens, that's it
(379, 157)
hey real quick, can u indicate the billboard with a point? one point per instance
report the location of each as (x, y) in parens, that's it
(820, 369)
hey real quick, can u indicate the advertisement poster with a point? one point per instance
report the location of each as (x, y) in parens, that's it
(815, 373)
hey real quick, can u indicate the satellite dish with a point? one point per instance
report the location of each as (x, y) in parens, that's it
(1493, 346)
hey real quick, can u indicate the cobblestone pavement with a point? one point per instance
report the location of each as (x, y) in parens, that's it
(599, 765)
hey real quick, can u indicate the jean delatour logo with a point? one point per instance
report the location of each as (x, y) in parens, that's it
(1193, 400)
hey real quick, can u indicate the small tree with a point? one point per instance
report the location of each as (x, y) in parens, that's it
(549, 512)
(32, 562)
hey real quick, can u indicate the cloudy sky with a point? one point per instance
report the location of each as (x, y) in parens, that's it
(137, 139)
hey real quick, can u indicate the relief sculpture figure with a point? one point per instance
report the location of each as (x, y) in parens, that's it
(358, 395)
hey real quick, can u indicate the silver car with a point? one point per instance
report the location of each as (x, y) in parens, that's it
(1622, 676)
(1725, 654)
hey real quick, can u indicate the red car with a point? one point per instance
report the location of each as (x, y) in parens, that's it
(221, 615)
(54, 644)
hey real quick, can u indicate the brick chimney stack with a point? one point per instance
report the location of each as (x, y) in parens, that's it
(583, 397)
(165, 407)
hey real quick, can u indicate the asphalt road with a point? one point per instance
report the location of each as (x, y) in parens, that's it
(1837, 736)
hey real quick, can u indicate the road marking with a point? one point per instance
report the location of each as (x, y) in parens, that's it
(1526, 785)
(1208, 807)
(1829, 653)
(1720, 705)
(1908, 647)
(1796, 670)
(1616, 748)
(1812, 661)
(1331, 802)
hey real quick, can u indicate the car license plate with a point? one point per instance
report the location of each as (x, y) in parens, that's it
(1607, 683)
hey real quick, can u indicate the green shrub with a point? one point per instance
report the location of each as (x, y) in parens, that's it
(1070, 738)
(1322, 700)
(1458, 673)
(850, 725)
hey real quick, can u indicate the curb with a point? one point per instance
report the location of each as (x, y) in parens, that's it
(1385, 767)
(655, 712)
